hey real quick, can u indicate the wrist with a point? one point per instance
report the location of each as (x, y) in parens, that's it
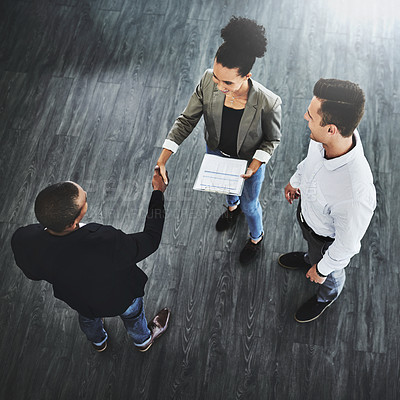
(164, 156)
(256, 163)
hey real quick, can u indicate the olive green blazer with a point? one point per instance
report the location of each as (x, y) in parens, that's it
(259, 129)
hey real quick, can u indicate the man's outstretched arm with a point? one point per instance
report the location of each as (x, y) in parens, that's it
(147, 242)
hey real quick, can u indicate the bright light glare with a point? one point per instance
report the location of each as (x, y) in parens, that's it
(363, 10)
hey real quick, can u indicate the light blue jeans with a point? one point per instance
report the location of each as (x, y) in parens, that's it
(248, 201)
(133, 319)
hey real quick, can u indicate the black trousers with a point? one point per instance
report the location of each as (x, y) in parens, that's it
(317, 246)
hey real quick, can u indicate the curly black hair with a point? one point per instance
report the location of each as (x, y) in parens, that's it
(244, 41)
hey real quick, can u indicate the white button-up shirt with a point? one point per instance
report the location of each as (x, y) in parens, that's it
(337, 200)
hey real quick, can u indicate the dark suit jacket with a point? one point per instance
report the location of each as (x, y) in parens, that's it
(92, 269)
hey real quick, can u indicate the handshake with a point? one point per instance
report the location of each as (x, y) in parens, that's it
(159, 182)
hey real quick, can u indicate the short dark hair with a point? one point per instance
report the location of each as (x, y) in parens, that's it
(342, 104)
(244, 40)
(56, 207)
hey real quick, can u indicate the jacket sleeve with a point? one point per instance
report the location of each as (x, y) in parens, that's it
(144, 243)
(186, 122)
(271, 128)
(22, 261)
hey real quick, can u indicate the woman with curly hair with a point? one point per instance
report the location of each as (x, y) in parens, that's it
(242, 121)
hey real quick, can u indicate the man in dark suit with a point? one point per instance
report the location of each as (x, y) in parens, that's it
(92, 267)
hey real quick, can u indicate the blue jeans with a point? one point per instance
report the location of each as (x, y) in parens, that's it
(133, 319)
(248, 201)
(317, 246)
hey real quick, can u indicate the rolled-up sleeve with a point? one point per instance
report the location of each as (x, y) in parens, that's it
(170, 145)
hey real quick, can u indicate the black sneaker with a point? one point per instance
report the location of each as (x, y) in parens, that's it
(250, 251)
(311, 310)
(228, 219)
(293, 260)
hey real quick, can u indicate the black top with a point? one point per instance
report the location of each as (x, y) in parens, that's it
(229, 130)
(93, 269)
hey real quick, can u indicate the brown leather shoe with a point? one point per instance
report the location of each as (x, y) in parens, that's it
(158, 325)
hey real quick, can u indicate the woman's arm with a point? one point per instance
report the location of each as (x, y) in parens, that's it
(184, 124)
(271, 128)
(252, 168)
(271, 124)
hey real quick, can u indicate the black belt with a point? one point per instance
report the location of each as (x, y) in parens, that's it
(319, 237)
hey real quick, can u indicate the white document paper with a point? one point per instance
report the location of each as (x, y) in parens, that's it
(221, 175)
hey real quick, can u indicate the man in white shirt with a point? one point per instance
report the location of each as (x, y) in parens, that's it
(337, 195)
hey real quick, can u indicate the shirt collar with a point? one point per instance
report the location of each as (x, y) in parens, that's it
(338, 162)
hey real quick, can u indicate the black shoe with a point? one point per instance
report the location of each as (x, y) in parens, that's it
(250, 251)
(293, 260)
(103, 346)
(311, 310)
(228, 219)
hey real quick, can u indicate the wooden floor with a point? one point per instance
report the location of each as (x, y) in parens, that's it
(88, 91)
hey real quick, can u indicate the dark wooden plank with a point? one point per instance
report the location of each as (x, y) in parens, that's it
(94, 31)
(129, 56)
